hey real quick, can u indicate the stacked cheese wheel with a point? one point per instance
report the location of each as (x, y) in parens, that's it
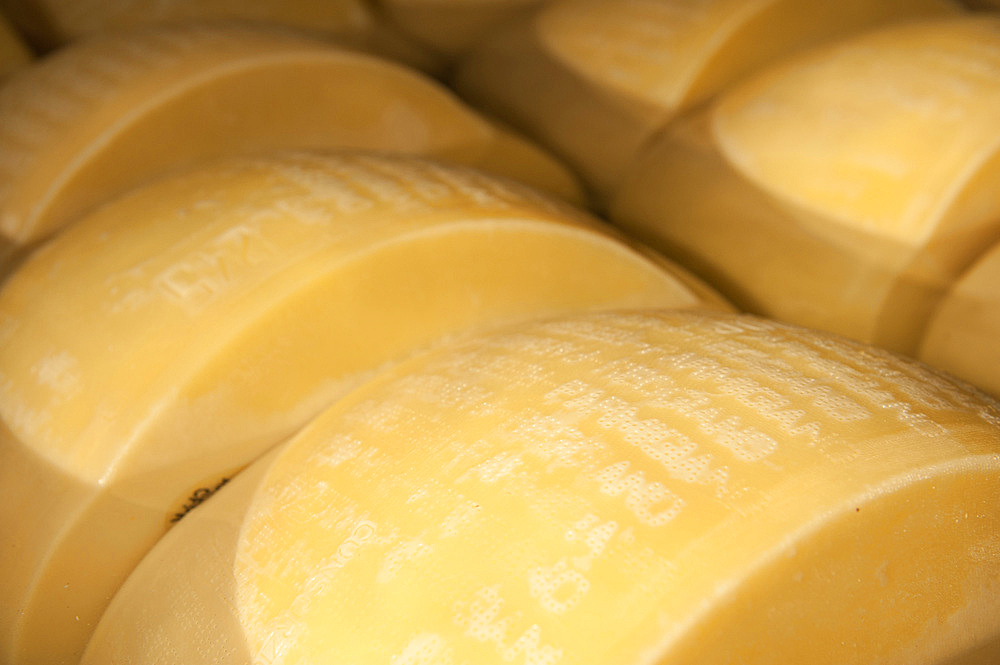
(303, 359)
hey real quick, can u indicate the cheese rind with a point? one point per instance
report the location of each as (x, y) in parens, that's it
(817, 203)
(103, 116)
(217, 311)
(630, 488)
(625, 68)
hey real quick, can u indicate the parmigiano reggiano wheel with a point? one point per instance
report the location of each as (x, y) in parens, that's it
(109, 114)
(617, 488)
(844, 190)
(594, 79)
(174, 335)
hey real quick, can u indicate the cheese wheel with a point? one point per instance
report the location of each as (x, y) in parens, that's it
(963, 332)
(111, 113)
(844, 190)
(611, 488)
(14, 54)
(452, 27)
(593, 79)
(174, 335)
(54, 23)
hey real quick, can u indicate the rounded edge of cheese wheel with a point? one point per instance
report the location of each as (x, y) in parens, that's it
(113, 112)
(962, 333)
(683, 198)
(215, 312)
(446, 513)
(626, 68)
(835, 131)
(794, 261)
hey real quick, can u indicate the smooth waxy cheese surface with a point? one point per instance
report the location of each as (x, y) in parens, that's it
(845, 190)
(53, 23)
(176, 334)
(593, 79)
(963, 332)
(111, 113)
(615, 488)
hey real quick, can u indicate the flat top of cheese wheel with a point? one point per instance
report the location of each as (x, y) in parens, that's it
(589, 489)
(674, 53)
(881, 132)
(107, 114)
(163, 280)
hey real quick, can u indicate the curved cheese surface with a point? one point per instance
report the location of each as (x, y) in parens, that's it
(835, 133)
(109, 114)
(845, 190)
(213, 313)
(626, 488)
(962, 334)
(593, 79)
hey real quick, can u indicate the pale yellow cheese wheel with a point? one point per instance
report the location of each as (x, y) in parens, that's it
(963, 333)
(843, 190)
(644, 487)
(593, 79)
(175, 334)
(53, 23)
(108, 114)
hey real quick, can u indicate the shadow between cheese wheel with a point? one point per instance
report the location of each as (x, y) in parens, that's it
(174, 335)
(631, 487)
(962, 333)
(14, 54)
(110, 113)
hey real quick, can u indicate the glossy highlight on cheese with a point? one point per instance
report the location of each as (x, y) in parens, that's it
(636, 487)
(109, 114)
(55, 23)
(171, 337)
(844, 190)
(594, 79)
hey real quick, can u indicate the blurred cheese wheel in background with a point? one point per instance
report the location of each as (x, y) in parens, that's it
(593, 79)
(681, 488)
(963, 335)
(844, 190)
(14, 53)
(102, 116)
(451, 27)
(53, 23)
(177, 333)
